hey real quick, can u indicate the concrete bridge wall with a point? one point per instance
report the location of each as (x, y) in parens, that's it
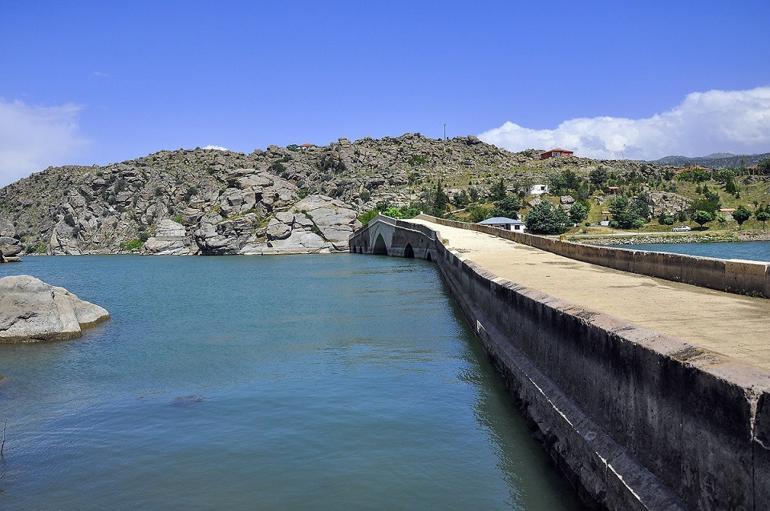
(743, 277)
(634, 419)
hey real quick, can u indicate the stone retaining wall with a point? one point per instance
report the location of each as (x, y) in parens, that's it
(743, 277)
(634, 419)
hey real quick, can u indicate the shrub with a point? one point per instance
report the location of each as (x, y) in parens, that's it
(547, 219)
(132, 245)
(461, 199)
(763, 216)
(365, 217)
(277, 167)
(365, 195)
(417, 159)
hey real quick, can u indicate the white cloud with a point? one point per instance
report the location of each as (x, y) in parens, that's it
(34, 137)
(705, 122)
(215, 148)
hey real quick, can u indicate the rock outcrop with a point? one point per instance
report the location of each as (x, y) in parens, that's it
(10, 246)
(316, 224)
(31, 311)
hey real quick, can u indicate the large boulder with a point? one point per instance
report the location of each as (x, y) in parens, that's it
(31, 311)
(331, 218)
(170, 239)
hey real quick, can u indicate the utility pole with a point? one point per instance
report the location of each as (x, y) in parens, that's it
(444, 131)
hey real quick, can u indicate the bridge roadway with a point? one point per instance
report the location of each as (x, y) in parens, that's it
(734, 325)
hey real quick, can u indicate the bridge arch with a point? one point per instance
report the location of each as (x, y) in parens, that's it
(380, 248)
(409, 251)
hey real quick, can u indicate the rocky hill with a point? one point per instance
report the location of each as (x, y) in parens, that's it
(715, 161)
(279, 200)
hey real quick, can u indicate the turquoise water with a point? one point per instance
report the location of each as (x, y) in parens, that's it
(303, 382)
(751, 250)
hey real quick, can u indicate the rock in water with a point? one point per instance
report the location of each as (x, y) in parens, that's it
(31, 311)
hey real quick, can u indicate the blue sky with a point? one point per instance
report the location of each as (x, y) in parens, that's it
(116, 80)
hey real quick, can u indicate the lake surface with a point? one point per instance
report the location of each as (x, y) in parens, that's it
(751, 250)
(302, 382)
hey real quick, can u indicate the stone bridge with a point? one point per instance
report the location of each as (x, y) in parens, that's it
(388, 236)
(650, 391)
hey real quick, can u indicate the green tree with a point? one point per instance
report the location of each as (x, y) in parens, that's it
(701, 217)
(598, 177)
(629, 213)
(508, 207)
(547, 219)
(478, 213)
(440, 201)
(578, 212)
(710, 202)
(741, 215)
(498, 192)
(564, 182)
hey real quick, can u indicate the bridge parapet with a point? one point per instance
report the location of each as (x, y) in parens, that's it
(734, 276)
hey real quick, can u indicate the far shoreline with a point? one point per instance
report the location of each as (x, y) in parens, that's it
(644, 238)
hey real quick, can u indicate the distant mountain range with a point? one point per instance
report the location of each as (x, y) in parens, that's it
(715, 160)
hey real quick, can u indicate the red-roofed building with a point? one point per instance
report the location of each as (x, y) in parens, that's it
(556, 152)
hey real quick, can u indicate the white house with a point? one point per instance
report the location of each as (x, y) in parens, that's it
(538, 189)
(509, 224)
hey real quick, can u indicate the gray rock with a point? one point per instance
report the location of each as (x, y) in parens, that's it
(6, 228)
(566, 199)
(331, 218)
(299, 242)
(31, 310)
(9, 247)
(170, 239)
(277, 230)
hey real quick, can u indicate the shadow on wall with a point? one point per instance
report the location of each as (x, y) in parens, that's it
(379, 246)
